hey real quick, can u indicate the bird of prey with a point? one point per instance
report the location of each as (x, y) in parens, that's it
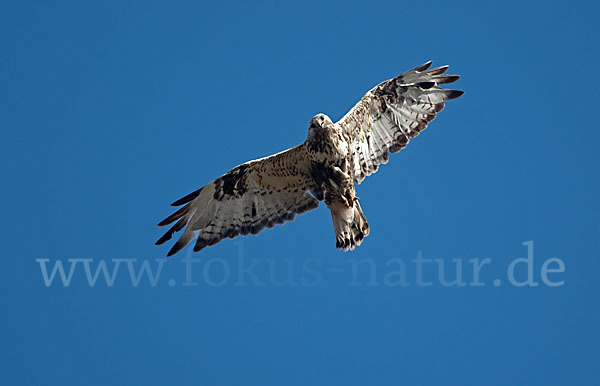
(272, 190)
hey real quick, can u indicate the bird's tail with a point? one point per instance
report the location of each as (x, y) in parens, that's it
(350, 225)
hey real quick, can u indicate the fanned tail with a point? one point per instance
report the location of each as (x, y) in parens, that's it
(350, 225)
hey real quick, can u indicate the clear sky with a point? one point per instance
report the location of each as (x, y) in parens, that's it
(111, 110)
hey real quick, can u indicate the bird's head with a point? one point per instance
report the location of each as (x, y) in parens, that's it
(319, 123)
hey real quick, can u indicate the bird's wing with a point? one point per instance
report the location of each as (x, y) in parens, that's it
(245, 200)
(392, 113)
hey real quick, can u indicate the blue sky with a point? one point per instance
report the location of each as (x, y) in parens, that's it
(112, 110)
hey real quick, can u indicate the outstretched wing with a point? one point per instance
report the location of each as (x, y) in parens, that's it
(245, 200)
(392, 113)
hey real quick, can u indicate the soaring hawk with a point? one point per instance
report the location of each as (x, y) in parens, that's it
(325, 166)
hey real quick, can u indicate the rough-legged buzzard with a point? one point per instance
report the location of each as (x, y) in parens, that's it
(335, 156)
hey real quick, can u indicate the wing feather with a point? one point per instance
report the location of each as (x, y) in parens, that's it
(247, 199)
(392, 113)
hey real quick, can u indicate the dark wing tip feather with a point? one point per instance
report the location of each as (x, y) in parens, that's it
(426, 85)
(168, 234)
(180, 213)
(446, 79)
(423, 66)
(188, 198)
(438, 70)
(439, 107)
(453, 94)
(164, 238)
(178, 246)
(202, 243)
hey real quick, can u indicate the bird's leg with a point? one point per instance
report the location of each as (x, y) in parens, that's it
(345, 186)
(338, 175)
